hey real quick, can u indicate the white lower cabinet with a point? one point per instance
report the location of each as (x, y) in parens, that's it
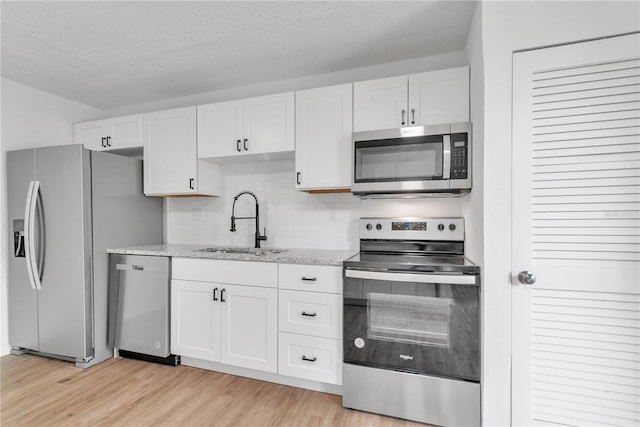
(278, 318)
(311, 358)
(310, 322)
(233, 324)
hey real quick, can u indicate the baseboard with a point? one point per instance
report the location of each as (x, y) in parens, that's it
(263, 376)
(5, 349)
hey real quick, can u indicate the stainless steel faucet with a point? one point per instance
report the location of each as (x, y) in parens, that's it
(258, 237)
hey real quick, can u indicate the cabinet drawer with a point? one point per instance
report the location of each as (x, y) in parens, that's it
(311, 358)
(312, 278)
(225, 271)
(310, 313)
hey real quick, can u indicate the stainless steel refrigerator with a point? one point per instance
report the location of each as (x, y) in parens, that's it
(67, 205)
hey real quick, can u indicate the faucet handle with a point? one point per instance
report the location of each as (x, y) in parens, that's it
(264, 236)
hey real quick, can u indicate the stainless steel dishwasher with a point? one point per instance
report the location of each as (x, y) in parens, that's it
(139, 307)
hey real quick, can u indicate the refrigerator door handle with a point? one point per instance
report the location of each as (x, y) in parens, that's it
(28, 232)
(30, 237)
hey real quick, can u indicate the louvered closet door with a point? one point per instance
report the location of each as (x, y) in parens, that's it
(576, 226)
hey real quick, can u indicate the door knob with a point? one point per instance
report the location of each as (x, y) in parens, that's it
(526, 278)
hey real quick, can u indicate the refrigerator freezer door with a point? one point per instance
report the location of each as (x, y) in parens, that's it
(22, 299)
(65, 316)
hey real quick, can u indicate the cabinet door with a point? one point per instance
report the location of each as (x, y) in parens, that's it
(323, 137)
(90, 134)
(437, 97)
(124, 132)
(170, 156)
(249, 331)
(268, 124)
(195, 320)
(380, 104)
(220, 129)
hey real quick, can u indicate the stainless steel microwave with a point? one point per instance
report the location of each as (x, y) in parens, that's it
(412, 161)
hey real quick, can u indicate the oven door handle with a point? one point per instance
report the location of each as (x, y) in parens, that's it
(458, 279)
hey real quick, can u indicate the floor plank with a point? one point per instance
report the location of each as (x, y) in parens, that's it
(124, 392)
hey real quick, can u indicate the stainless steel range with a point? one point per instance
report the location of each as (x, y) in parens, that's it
(412, 322)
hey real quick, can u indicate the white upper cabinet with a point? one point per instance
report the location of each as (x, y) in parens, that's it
(171, 165)
(259, 125)
(438, 97)
(323, 138)
(422, 99)
(380, 104)
(110, 134)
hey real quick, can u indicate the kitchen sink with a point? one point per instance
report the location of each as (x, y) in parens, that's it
(248, 251)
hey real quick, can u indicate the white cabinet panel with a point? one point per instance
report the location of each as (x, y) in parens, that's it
(380, 104)
(438, 97)
(220, 129)
(311, 313)
(324, 118)
(268, 124)
(225, 271)
(312, 358)
(249, 327)
(312, 278)
(195, 320)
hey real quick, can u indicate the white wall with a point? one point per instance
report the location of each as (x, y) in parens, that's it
(506, 27)
(30, 118)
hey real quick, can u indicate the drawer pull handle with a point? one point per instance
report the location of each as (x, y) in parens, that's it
(309, 359)
(309, 279)
(304, 313)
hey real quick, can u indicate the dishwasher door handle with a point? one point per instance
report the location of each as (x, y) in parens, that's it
(136, 267)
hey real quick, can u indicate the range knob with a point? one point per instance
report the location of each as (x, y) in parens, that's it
(369, 226)
(378, 226)
(452, 227)
(440, 227)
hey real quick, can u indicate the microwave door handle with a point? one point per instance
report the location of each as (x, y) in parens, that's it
(446, 156)
(458, 279)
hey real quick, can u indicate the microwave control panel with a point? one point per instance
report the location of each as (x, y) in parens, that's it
(459, 155)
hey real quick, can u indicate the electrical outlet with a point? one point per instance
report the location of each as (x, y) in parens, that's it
(332, 215)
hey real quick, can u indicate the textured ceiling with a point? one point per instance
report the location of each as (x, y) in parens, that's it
(115, 53)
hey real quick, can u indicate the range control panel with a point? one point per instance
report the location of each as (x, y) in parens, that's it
(449, 229)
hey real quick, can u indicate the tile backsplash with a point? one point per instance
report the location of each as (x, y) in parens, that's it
(294, 219)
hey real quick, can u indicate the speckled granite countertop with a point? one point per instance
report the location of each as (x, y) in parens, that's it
(287, 256)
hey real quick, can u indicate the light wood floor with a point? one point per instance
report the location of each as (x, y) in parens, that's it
(126, 392)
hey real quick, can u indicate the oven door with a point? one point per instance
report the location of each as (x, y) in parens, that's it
(414, 322)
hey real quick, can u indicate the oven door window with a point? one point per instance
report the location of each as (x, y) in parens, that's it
(410, 319)
(419, 327)
(398, 159)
